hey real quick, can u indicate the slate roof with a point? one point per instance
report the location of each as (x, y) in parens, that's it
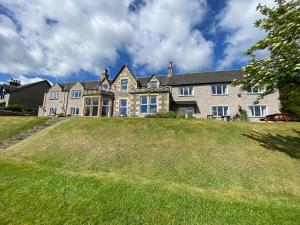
(179, 79)
(8, 87)
(196, 78)
(11, 88)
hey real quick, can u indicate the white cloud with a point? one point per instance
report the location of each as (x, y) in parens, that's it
(237, 19)
(86, 36)
(26, 80)
(89, 34)
(165, 31)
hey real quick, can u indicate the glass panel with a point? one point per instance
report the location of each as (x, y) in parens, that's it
(189, 112)
(124, 84)
(144, 108)
(95, 101)
(181, 91)
(95, 111)
(123, 103)
(219, 89)
(225, 111)
(224, 89)
(153, 108)
(220, 111)
(144, 99)
(213, 89)
(214, 109)
(153, 99)
(256, 110)
(264, 110)
(87, 101)
(123, 111)
(87, 111)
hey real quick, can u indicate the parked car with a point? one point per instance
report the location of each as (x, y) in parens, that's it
(276, 117)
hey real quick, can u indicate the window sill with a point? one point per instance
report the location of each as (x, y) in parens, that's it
(186, 96)
(254, 93)
(219, 94)
(53, 98)
(75, 98)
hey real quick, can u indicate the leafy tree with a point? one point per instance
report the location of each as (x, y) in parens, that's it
(282, 64)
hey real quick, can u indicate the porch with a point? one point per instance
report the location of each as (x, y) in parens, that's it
(98, 103)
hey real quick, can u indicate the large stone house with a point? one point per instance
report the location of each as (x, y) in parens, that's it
(202, 95)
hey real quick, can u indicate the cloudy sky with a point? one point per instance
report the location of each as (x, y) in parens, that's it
(75, 40)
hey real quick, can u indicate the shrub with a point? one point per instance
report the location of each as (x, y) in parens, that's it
(17, 108)
(169, 114)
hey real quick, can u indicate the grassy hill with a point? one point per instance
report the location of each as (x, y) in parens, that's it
(11, 126)
(153, 171)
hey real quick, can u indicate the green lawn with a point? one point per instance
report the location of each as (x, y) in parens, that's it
(153, 171)
(11, 126)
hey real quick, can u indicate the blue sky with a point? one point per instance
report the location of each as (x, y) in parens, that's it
(76, 40)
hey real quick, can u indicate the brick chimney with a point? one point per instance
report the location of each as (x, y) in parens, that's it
(170, 70)
(105, 74)
(14, 82)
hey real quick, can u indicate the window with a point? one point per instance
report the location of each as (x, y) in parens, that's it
(186, 91)
(74, 111)
(221, 89)
(153, 84)
(144, 104)
(148, 104)
(255, 90)
(54, 95)
(87, 106)
(124, 84)
(123, 107)
(219, 111)
(52, 111)
(258, 111)
(95, 102)
(75, 94)
(104, 87)
(153, 104)
(105, 107)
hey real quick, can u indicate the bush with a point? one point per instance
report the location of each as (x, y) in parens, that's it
(169, 114)
(17, 108)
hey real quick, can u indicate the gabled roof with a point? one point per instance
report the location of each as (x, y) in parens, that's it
(123, 67)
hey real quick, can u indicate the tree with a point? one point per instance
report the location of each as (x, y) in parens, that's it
(282, 63)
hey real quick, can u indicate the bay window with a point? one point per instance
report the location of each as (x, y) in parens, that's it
(148, 104)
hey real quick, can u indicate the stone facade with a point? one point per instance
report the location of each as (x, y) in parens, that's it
(199, 103)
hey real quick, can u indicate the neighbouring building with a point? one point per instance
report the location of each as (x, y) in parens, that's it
(202, 95)
(30, 95)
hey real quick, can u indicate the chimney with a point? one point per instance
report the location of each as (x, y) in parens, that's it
(105, 74)
(170, 70)
(14, 82)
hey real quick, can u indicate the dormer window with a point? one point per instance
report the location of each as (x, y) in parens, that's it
(153, 84)
(104, 87)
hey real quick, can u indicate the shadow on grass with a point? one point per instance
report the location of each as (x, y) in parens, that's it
(276, 142)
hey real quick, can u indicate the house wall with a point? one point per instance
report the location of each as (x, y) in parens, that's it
(59, 104)
(75, 102)
(163, 103)
(31, 96)
(205, 100)
(132, 84)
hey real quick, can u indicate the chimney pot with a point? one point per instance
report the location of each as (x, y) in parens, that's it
(105, 74)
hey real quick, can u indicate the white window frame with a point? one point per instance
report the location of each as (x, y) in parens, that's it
(75, 94)
(224, 89)
(123, 106)
(121, 87)
(152, 82)
(74, 111)
(190, 91)
(149, 104)
(251, 90)
(54, 95)
(260, 110)
(52, 111)
(223, 110)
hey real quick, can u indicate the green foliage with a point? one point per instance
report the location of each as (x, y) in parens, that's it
(17, 108)
(242, 114)
(290, 97)
(282, 42)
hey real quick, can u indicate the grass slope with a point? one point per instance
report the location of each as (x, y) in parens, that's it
(11, 126)
(153, 171)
